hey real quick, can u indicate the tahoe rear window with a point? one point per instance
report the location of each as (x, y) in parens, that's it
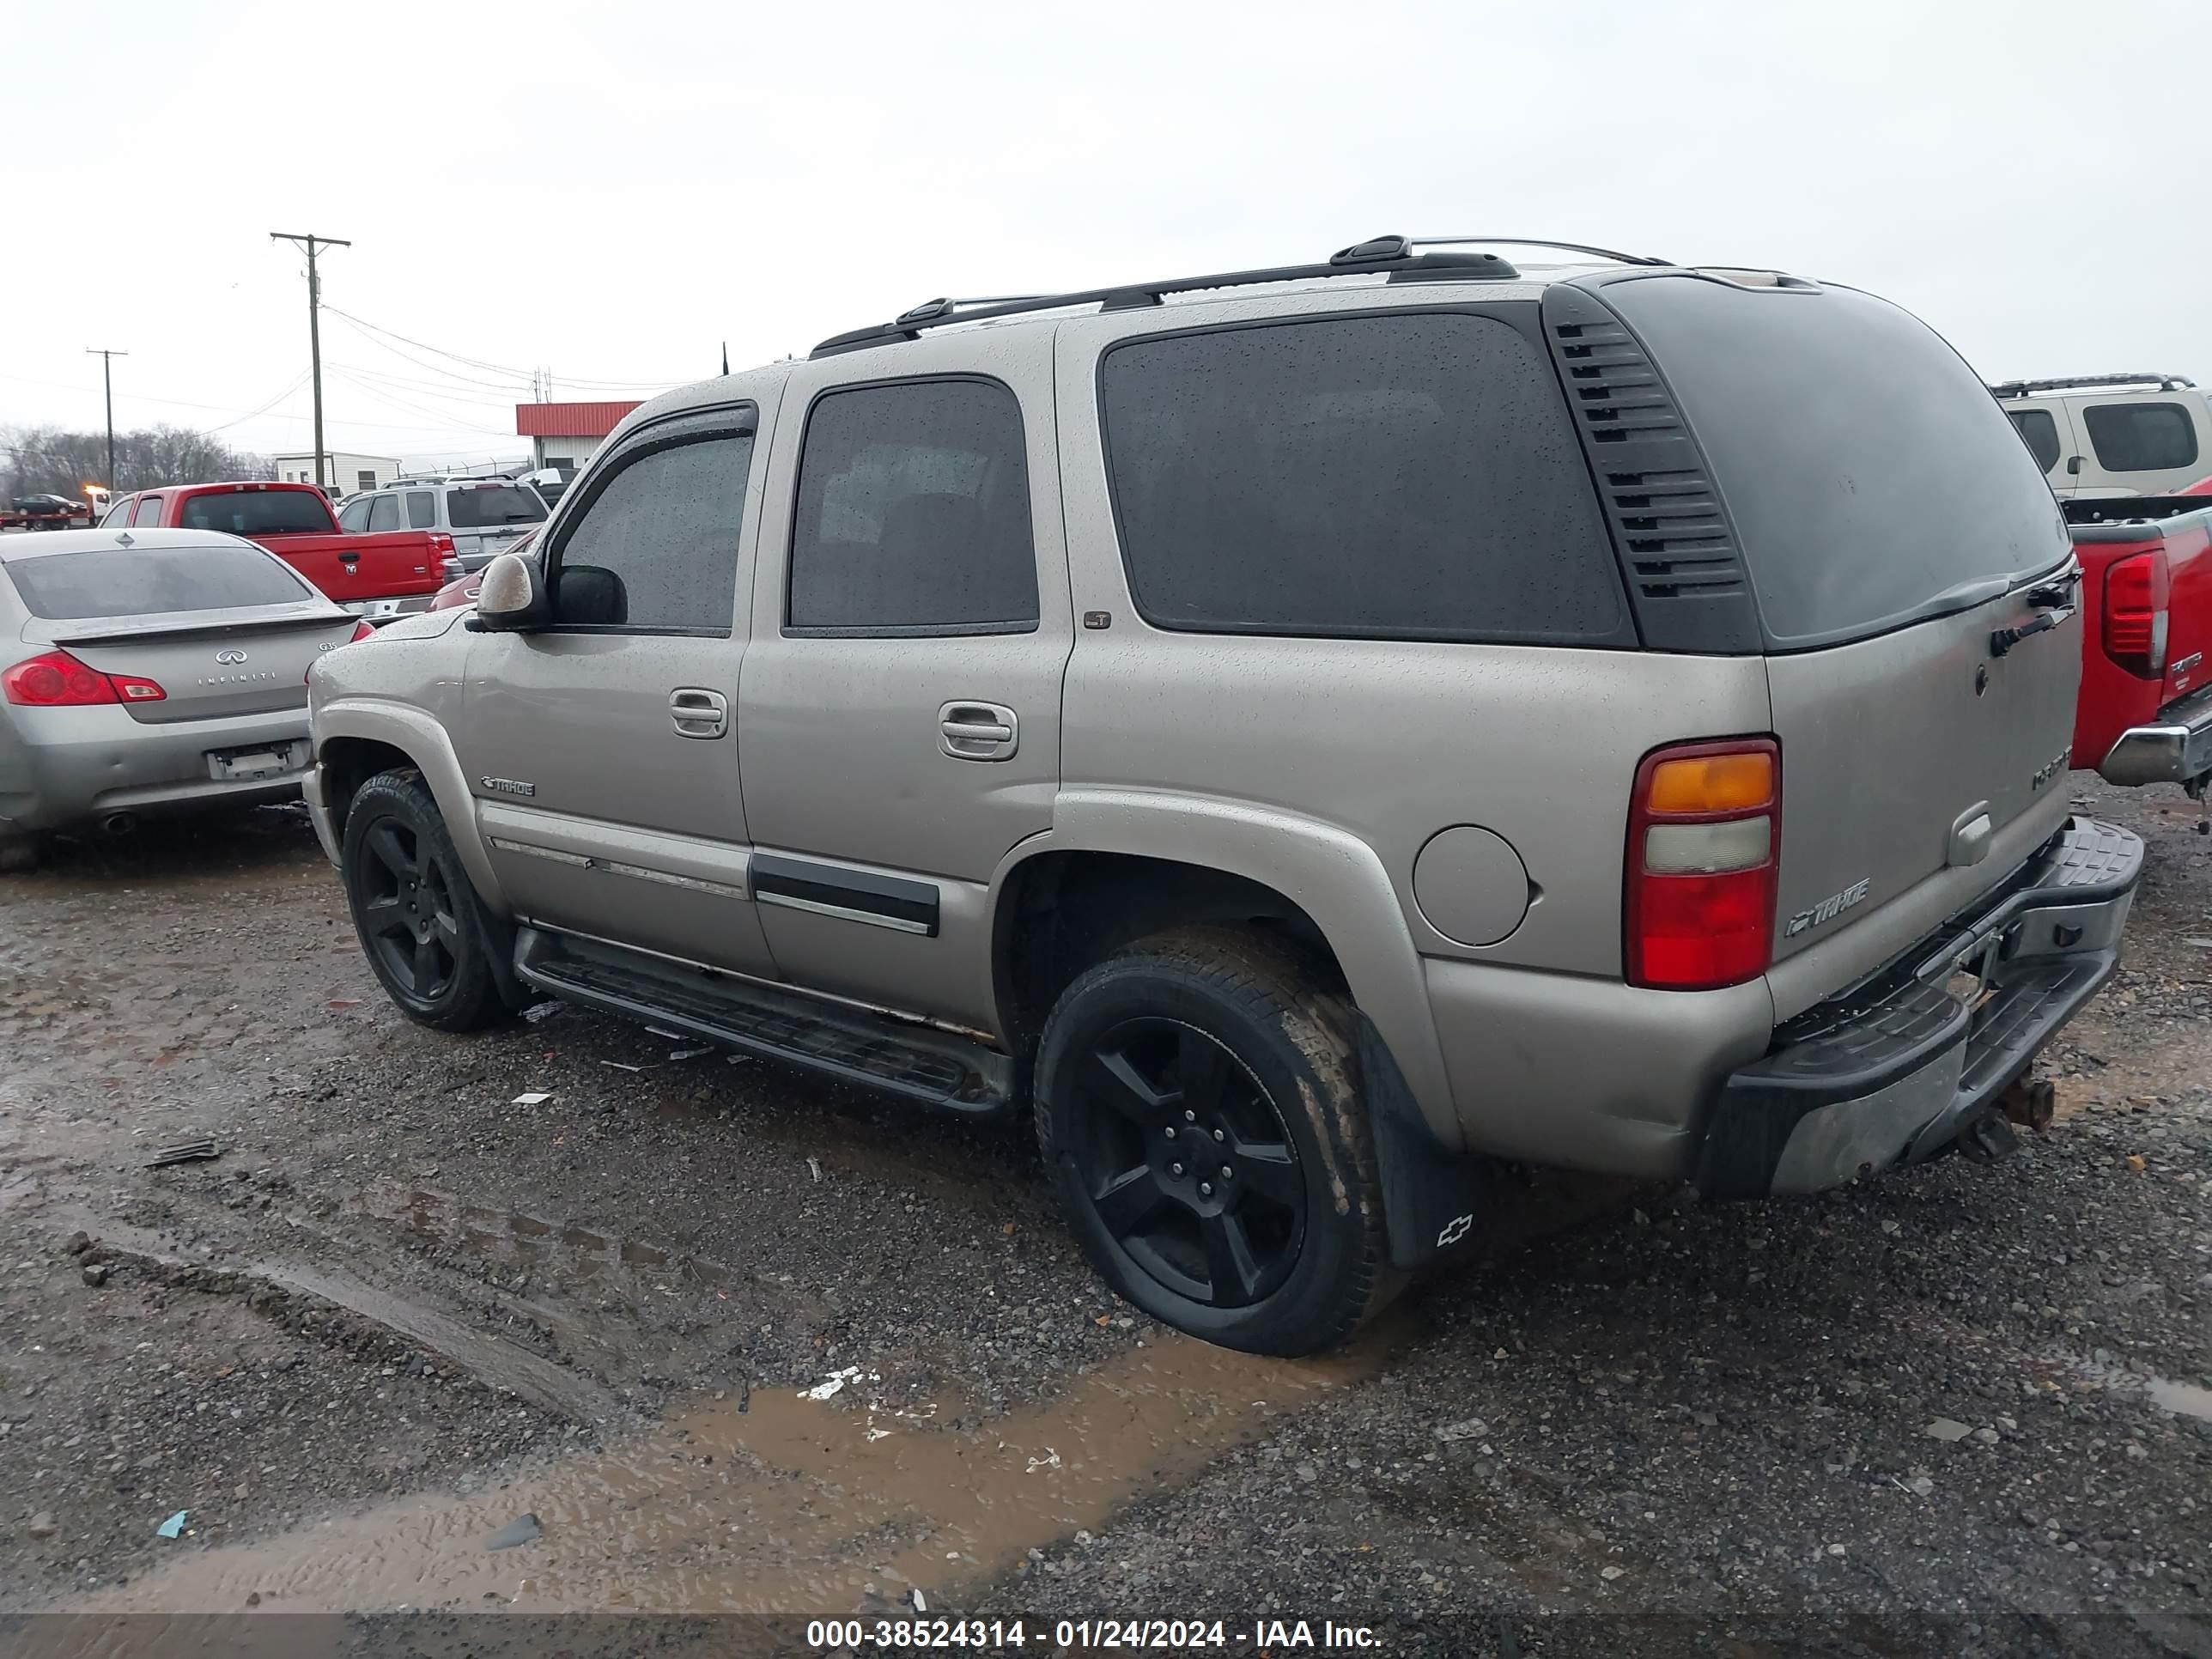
(1405, 476)
(2041, 433)
(2141, 437)
(258, 513)
(479, 506)
(116, 581)
(1867, 469)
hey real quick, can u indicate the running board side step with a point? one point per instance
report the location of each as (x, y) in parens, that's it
(936, 1067)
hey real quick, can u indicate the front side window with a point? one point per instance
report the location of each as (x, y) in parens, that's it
(1409, 476)
(913, 512)
(2141, 437)
(383, 513)
(2041, 433)
(655, 549)
(355, 518)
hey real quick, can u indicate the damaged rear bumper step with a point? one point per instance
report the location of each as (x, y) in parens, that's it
(1894, 1073)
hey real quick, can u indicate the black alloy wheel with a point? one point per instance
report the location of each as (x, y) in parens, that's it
(1189, 1164)
(422, 926)
(407, 911)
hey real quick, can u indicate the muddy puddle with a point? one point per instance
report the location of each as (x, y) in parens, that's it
(763, 1502)
(2104, 1370)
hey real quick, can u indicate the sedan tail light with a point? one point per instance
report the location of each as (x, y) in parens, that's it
(1703, 857)
(57, 680)
(2136, 592)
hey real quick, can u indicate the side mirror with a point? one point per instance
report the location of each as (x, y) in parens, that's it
(512, 597)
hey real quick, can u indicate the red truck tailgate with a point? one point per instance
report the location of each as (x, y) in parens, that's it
(2147, 604)
(351, 569)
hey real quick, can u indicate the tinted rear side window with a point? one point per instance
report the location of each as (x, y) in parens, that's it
(914, 512)
(422, 510)
(1407, 476)
(2041, 433)
(1866, 468)
(474, 506)
(2141, 437)
(258, 513)
(148, 580)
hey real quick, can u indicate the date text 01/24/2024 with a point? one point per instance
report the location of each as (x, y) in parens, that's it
(1085, 1635)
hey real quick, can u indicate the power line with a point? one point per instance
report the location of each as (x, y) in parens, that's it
(398, 402)
(503, 368)
(386, 345)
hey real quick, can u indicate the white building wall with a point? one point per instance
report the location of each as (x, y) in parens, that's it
(345, 471)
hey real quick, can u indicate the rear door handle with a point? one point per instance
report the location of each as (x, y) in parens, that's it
(698, 712)
(978, 730)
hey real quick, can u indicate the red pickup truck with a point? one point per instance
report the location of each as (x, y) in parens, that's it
(2145, 713)
(378, 576)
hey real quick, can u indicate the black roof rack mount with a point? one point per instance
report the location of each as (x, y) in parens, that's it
(2068, 382)
(1394, 256)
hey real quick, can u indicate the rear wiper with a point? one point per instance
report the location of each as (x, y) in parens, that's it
(1963, 596)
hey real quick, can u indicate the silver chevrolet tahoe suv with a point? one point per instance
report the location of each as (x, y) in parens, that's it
(1302, 731)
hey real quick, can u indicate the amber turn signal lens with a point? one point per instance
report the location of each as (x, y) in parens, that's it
(1711, 783)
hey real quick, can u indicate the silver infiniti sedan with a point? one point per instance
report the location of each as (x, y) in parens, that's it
(150, 670)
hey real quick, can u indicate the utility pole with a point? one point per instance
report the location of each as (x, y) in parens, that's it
(311, 242)
(107, 380)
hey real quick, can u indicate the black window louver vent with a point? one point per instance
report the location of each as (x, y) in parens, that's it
(1685, 571)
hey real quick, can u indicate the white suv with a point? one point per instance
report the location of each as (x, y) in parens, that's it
(2113, 435)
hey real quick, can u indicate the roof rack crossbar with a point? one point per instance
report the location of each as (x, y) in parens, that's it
(1385, 254)
(2061, 383)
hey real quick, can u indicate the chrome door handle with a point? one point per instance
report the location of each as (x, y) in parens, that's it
(698, 712)
(978, 730)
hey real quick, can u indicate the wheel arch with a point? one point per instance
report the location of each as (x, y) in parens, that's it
(1155, 862)
(355, 740)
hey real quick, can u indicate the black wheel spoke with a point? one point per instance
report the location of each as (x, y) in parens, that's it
(390, 851)
(426, 968)
(1269, 1170)
(1130, 1201)
(1230, 1270)
(1133, 1094)
(383, 917)
(447, 933)
(1203, 1067)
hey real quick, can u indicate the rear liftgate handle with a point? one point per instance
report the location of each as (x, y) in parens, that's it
(978, 730)
(698, 712)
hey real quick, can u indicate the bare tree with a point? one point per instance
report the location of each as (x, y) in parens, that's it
(42, 460)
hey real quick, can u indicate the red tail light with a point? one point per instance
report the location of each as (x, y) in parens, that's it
(57, 680)
(1704, 844)
(2135, 615)
(361, 631)
(441, 545)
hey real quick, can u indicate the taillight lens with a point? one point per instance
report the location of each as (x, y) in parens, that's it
(361, 631)
(1704, 843)
(57, 680)
(441, 545)
(2135, 615)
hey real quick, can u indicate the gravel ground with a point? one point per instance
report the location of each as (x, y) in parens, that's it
(1948, 1412)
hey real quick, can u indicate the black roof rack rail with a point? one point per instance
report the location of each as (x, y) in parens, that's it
(1394, 255)
(1536, 241)
(2065, 382)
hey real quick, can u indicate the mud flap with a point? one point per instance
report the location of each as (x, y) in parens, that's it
(1430, 1194)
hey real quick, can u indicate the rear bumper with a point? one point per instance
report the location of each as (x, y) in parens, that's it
(2171, 749)
(86, 764)
(1891, 1073)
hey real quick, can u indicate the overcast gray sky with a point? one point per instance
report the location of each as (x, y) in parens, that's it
(613, 190)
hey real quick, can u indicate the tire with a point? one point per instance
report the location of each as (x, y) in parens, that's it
(1225, 1041)
(420, 923)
